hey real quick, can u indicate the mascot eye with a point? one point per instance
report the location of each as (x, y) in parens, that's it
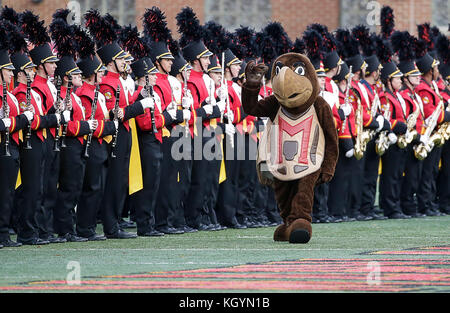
(278, 67)
(300, 70)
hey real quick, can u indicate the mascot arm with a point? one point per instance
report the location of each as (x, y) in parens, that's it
(267, 107)
(326, 120)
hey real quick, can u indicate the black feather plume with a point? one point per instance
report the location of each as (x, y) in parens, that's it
(362, 35)
(266, 48)
(387, 21)
(384, 50)
(155, 25)
(299, 46)
(216, 38)
(425, 35)
(33, 28)
(85, 42)
(113, 22)
(281, 40)
(188, 26)
(102, 31)
(4, 44)
(402, 44)
(63, 37)
(443, 48)
(133, 43)
(17, 42)
(61, 13)
(313, 43)
(9, 14)
(245, 38)
(347, 44)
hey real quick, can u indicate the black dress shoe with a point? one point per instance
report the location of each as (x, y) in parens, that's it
(397, 216)
(73, 238)
(151, 233)
(54, 239)
(9, 243)
(96, 237)
(170, 230)
(346, 218)
(126, 224)
(417, 215)
(362, 217)
(430, 213)
(11, 231)
(33, 241)
(188, 229)
(377, 217)
(1, 246)
(336, 219)
(121, 234)
(239, 226)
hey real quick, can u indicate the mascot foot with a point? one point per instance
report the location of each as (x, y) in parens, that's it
(280, 233)
(299, 231)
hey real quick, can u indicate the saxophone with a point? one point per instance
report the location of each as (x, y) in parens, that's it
(382, 143)
(359, 142)
(411, 132)
(422, 149)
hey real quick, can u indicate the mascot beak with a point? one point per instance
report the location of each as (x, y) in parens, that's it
(290, 89)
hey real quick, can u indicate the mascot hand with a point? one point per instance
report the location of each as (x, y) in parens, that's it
(254, 73)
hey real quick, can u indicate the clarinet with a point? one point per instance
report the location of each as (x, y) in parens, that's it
(116, 118)
(66, 123)
(28, 104)
(6, 114)
(149, 90)
(94, 109)
(58, 112)
(185, 93)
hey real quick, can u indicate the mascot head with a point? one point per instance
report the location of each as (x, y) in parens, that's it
(294, 82)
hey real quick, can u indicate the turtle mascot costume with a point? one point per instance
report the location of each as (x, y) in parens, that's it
(299, 148)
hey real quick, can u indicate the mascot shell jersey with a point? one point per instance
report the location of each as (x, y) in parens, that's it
(305, 149)
(292, 146)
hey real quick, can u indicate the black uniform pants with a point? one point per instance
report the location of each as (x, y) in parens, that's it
(370, 178)
(443, 181)
(70, 184)
(338, 187)
(144, 201)
(9, 169)
(29, 194)
(44, 215)
(411, 182)
(356, 186)
(227, 200)
(393, 165)
(116, 182)
(93, 188)
(427, 187)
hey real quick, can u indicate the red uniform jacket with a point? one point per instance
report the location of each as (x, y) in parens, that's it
(18, 121)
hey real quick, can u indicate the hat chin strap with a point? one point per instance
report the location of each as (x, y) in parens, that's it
(160, 65)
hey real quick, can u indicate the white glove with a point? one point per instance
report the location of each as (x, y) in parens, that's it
(222, 93)
(350, 153)
(230, 129)
(221, 104)
(66, 115)
(347, 109)
(186, 115)
(423, 139)
(116, 124)
(7, 122)
(380, 120)
(29, 115)
(230, 116)
(148, 103)
(208, 109)
(92, 124)
(392, 138)
(172, 113)
(187, 102)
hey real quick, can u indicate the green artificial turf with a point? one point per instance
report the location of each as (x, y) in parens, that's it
(212, 249)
